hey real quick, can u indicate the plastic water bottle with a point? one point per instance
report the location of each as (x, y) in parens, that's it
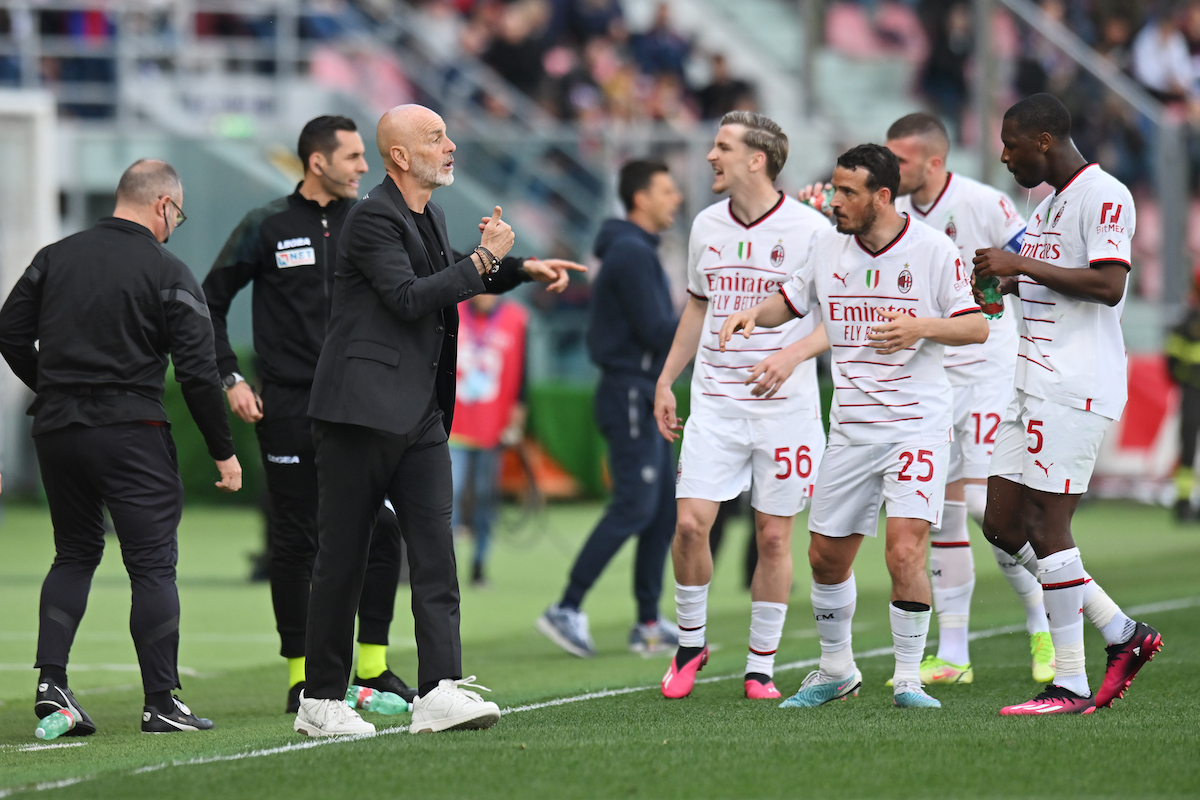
(373, 700)
(993, 300)
(826, 196)
(55, 725)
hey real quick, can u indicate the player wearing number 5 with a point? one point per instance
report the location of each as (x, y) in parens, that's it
(892, 293)
(741, 251)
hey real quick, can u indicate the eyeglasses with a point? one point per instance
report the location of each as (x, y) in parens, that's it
(180, 217)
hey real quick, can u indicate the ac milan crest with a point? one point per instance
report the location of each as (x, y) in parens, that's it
(777, 255)
(1058, 216)
(904, 281)
(952, 230)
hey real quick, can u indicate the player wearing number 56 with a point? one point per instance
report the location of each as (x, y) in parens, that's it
(891, 293)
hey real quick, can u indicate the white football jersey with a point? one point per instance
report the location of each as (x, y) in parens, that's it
(735, 266)
(1072, 351)
(974, 216)
(877, 399)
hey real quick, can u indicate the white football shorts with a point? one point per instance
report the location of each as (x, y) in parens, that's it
(1048, 446)
(721, 455)
(978, 411)
(855, 479)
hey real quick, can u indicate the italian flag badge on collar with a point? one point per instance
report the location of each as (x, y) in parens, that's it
(872, 278)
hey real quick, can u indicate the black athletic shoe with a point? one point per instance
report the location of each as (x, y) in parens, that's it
(179, 718)
(293, 705)
(51, 697)
(388, 682)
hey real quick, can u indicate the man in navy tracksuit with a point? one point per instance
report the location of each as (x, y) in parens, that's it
(632, 323)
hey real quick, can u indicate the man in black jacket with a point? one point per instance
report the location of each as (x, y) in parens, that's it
(89, 327)
(631, 325)
(382, 404)
(287, 248)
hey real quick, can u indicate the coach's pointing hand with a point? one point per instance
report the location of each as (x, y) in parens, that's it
(497, 236)
(556, 272)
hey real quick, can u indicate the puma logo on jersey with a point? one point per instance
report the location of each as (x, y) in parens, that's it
(1114, 244)
(716, 250)
(842, 278)
(1045, 468)
(923, 496)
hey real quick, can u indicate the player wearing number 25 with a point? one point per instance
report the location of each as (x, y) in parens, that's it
(892, 293)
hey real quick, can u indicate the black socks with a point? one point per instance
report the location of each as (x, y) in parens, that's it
(160, 701)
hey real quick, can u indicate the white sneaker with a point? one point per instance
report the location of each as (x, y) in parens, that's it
(329, 718)
(451, 707)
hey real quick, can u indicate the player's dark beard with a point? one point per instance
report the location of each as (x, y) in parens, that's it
(864, 225)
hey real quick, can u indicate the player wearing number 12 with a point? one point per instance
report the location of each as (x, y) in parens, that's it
(741, 251)
(892, 292)
(974, 216)
(1070, 384)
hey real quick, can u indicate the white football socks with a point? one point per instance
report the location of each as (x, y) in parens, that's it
(833, 609)
(952, 576)
(1107, 616)
(909, 632)
(1062, 577)
(766, 628)
(1027, 588)
(691, 614)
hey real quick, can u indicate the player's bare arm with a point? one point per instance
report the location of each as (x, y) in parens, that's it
(770, 313)
(903, 331)
(1103, 283)
(770, 373)
(683, 349)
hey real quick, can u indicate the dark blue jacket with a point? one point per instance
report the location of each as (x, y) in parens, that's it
(631, 321)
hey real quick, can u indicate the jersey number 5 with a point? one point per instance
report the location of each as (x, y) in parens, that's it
(1033, 431)
(803, 462)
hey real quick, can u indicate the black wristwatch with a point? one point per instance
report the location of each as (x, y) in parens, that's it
(231, 380)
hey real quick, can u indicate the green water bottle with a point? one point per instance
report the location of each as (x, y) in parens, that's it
(54, 725)
(373, 700)
(993, 301)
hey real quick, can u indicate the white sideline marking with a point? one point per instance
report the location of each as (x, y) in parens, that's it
(1150, 608)
(27, 748)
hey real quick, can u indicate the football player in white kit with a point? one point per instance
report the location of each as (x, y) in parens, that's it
(892, 292)
(974, 216)
(741, 250)
(1070, 384)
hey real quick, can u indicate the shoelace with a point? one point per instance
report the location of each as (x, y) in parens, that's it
(909, 686)
(469, 681)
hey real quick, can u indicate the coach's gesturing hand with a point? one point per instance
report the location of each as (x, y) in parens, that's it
(231, 475)
(497, 235)
(555, 272)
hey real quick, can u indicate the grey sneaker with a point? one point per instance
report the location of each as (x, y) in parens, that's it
(659, 636)
(567, 628)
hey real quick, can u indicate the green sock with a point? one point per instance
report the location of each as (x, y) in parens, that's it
(372, 660)
(1184, 478)
(295, 671)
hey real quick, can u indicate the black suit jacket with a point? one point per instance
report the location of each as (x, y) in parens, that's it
(391, 345)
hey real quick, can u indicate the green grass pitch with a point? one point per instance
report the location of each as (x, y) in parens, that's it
(634, 744)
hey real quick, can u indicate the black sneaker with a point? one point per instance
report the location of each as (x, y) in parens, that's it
(388, 682)
(179, 718)
(293, 704)
(51, 697)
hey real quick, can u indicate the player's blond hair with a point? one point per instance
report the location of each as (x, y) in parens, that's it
(762, 133)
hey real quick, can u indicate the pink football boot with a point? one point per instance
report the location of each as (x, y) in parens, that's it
(678, 681)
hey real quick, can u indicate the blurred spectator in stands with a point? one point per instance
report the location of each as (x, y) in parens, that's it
(516, 50)
(661, 48)
(1183, 363)
(1161, 61)
(724, 93)
(488, 411)
(1190, 27)
(951, 39)
(669, 102)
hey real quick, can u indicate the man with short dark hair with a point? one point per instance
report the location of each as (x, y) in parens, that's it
(287, 250)
(89, 327)
(1070, 279)
(630, 328)
(892, 293)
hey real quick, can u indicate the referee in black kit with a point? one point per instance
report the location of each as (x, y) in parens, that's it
(287, 250)
(89, 327)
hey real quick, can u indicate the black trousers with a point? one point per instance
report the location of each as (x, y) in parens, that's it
(642, 465)
(1189, 425)
(356, 468)
(130, 468)
(289, 463)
